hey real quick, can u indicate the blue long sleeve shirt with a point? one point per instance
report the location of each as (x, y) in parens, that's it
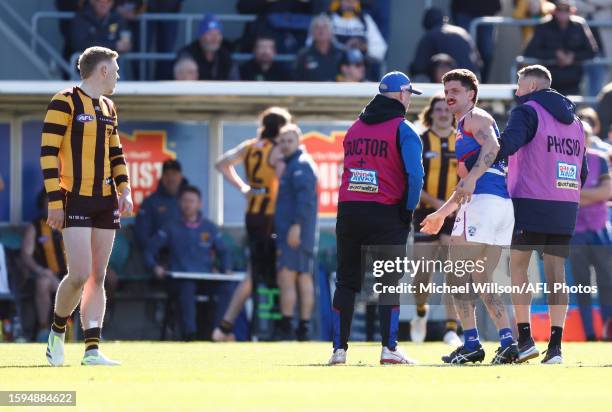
(193, 247)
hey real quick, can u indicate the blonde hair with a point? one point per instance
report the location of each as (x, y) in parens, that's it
(91, 57)
(291, 128)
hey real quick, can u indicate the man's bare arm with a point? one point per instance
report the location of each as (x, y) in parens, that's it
(226, 165)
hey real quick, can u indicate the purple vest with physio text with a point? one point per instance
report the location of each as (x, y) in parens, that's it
(373, 166)
(548, 167)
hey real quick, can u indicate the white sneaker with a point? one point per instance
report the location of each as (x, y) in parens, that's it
(95, 357)
(418, 329)
(393, 357)
(219, 336)
(55, 348)
(451, 338)
(338, 357)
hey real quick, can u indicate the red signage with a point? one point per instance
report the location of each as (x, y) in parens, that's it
(145, 152)
(328, 154)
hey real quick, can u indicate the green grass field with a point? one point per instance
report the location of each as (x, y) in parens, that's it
(293, 376)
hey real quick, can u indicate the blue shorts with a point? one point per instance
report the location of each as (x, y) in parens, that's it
(298, 260)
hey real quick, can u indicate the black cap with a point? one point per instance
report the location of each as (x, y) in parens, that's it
(172, 164)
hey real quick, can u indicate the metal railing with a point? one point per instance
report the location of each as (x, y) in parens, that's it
(55, 56)
(142, 55)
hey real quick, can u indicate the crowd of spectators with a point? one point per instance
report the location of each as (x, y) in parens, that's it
(308, 40)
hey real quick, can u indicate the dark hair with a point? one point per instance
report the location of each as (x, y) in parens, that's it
(171, 164)
(465, 77)
(538, 71)
(264, 36)
(272, 120)
(190, 189)
(425, 115)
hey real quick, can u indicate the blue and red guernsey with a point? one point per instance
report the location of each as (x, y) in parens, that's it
(493, 181)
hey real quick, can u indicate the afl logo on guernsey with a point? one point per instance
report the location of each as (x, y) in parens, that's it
(84, 118)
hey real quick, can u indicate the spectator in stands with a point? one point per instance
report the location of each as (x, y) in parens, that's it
(195, 244)
(604, 108)
(98, 25)
(129, 10)
(42, 252)
(562, 43)
(355, 29)
(212, 56)
(598, 11)
(352, 67)
(165, 33)
(439, 65)
(262, 66)
(186, 68)
(319, 61)
(463, 12)
(65, 24)
(531, 9)
(288, 20)
(592, 239)
(441, 37)
(589, 116)
(161, 205)
(380, 10)
(295, 223)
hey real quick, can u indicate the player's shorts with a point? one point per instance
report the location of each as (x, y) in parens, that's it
(548, 243)
(419, 216)
(298, 259)
(487, 219)
(100, 212)
(262, 247)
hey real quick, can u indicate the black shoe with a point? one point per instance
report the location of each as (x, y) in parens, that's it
(302, 335)
(553, 355)
(509, 354)
(463, 355)
(527, 350)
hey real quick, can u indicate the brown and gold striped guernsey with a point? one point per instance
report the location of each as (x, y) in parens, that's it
(261, 176)
(440, 165)
(80, 149)
(49, 248)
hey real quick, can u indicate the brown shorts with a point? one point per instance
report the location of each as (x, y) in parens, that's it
(101, 212)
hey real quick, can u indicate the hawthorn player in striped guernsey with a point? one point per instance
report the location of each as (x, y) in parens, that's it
(263, 164)
(87, 183)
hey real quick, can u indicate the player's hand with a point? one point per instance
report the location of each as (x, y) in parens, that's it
(126, 205)
(465, 190)
(159, 272)
(245, 189)
(432, 223)
(55, 218)
(293, 237)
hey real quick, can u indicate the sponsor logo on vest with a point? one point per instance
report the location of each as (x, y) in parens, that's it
(363, 180)
(567, 176)
(85, 118)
